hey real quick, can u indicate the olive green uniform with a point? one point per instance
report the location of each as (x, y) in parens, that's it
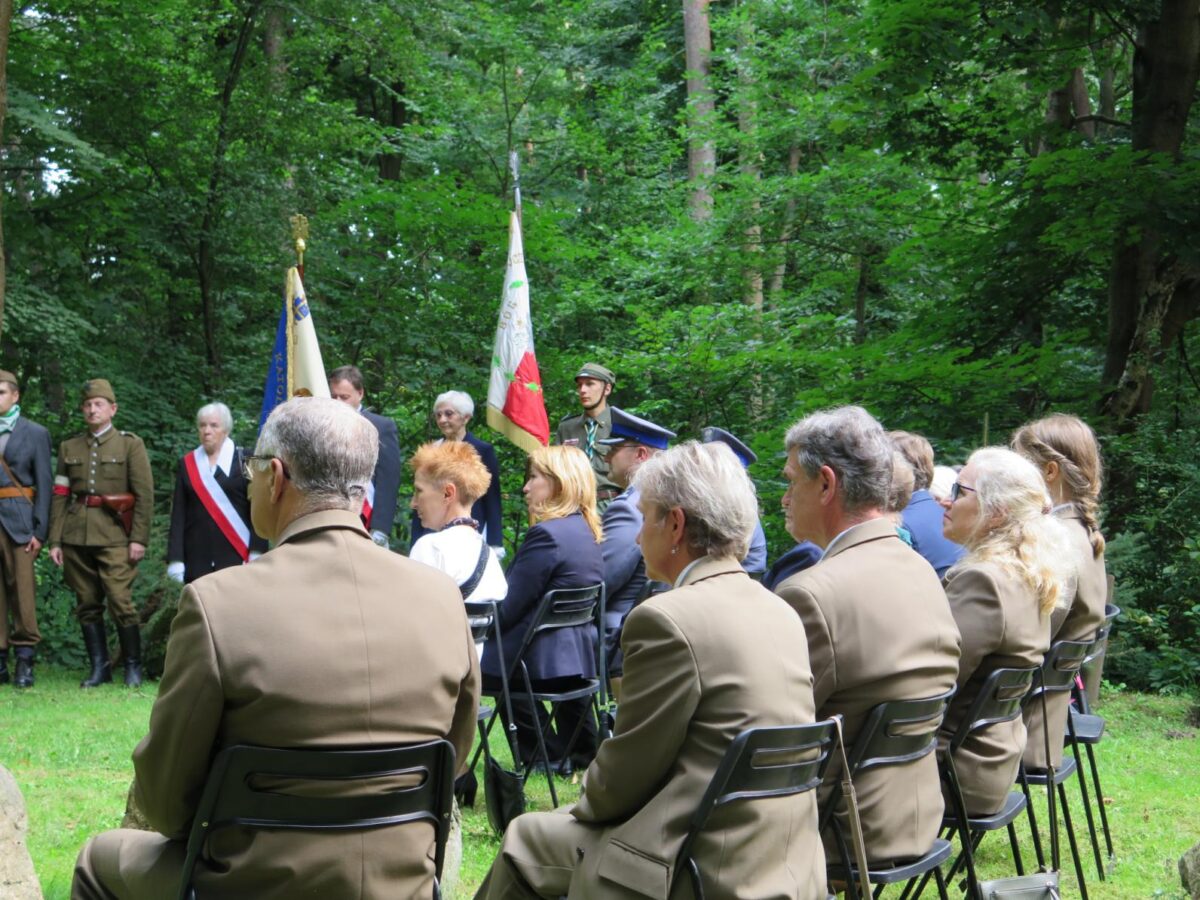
(573, 431)
(95, 547)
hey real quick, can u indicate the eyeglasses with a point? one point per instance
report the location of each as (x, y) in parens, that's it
(248, 471)
(957, 489)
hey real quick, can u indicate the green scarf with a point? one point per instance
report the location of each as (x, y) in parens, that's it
(9, 419)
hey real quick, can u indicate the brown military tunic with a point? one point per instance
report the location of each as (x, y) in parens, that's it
(95, 547)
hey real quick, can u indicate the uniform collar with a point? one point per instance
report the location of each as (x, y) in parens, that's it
(870, 530)
(708, 567)
(324, 520)
(103, 436)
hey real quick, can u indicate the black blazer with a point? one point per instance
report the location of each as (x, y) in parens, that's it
(486, 510)
(387, 473)
(195, 538)
(28, 455)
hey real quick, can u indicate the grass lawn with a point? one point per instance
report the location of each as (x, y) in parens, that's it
(69, 751)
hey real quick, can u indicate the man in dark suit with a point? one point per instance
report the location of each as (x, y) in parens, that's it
(633, 441)
(25, 481)
(379, 509)
(327, 641)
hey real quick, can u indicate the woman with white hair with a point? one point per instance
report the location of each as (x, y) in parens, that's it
(452, 410)
(705, 661)
(210, 514)
(1017, 570)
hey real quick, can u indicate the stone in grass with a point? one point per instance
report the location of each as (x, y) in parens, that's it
(1189, 871)
(17, 878)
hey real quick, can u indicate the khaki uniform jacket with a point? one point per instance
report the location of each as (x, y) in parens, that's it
(1076, 620)
(114, 463)
(703, 662)
(326, 641)
(573, 431)
(879, 629)
(997, 614)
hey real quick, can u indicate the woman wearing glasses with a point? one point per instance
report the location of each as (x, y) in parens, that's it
(1016, 570)
(1064, 450)
(210, 515)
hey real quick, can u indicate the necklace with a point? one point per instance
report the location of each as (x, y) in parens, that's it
(461, 520)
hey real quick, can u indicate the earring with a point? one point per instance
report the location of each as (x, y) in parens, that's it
(674, 549)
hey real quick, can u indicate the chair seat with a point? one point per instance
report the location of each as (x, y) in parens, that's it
(588, 687)
(1014, 805)
(1089, 729)
(899, 870)
(485, 713)
(1061, 774)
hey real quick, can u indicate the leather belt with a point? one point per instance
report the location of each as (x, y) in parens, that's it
(89, 499)
(17, 491)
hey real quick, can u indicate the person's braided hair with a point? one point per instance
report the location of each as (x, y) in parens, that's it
(1069, 442)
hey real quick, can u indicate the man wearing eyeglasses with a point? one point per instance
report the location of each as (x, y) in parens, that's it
(876, 618)
(326, 641)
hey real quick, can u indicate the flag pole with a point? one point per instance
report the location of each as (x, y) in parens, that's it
(514, 164)
(300, 237)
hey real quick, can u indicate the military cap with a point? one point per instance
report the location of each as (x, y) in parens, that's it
(97, 387)
(712, 434)
(10, 378)
(597, 371)
(628, 427)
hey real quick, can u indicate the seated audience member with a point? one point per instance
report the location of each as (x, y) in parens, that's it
(452, 412)
(874, 614)
(560, 550)
(448, 478)
(943, 479)
(797, 559)
(210, 515)
(1063, 448)
(899, 494)
(327, 641)
(755, 561)
(923, 516)
(633, 441)
(703, 662)
(1001, 594)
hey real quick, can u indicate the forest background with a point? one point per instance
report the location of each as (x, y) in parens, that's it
(959, 214)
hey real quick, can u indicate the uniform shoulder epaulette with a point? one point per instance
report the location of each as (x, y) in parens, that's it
(128, 434)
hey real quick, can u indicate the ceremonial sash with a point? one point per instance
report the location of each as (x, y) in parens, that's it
(368, 504)
(217, 502)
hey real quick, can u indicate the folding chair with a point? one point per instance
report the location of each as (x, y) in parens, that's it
(1059, 669)
(999, 700)
(558, 609)
(230, 797)
(761, 762)
(894, 733)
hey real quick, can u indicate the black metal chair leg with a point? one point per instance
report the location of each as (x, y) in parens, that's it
(1016, 850)
(1033, 827)
(1074, 844)
(1100, 800)
(941, 884)
(1087, 810)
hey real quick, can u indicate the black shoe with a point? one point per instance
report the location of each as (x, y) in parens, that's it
(4, 666)
(131, 649)
(96, 643)
(24, 673)
(560, 767)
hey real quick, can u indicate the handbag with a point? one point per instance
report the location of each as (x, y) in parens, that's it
(1039, 885)
(503, 792)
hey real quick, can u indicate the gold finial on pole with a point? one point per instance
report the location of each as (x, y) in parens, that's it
(300, 236)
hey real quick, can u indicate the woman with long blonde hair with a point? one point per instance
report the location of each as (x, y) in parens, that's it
(560, 550)
(1064, 450)
(1016, 571)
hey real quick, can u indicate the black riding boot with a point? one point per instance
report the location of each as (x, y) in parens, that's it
(24, 675)
(4, 666)
(96, 643)
(131, 650)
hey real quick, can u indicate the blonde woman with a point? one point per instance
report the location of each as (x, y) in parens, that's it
(1002, 592)
(1064, 450)
(560, 550)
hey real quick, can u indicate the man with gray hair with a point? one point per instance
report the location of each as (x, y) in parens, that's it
(876, 619)
(327, 641)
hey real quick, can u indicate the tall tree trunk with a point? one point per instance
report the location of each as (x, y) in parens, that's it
(702, 152)
(775, 288)
(748, 165)
(6, 11)
(205, 258)
(1143, 285)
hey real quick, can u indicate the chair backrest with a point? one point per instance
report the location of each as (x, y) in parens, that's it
(1059, 668)
(1099, 643)
(482, 614)
(561, 608)
(999, 699)
(898, 732)
(232, 797)
(778, 761)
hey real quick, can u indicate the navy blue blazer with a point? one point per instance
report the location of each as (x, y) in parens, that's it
(799, 558)
(923, 519)
(486, 510)
(557, 553)
(755, 562)
(624, 568)
(387, 473)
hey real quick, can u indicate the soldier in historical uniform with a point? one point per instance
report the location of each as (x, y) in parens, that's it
(25, 517)
(594, 384)
(99, 528)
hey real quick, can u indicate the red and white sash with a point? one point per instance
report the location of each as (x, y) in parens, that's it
(217, 502)
(368, 504)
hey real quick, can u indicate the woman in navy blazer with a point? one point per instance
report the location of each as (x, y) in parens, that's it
(560, 550)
